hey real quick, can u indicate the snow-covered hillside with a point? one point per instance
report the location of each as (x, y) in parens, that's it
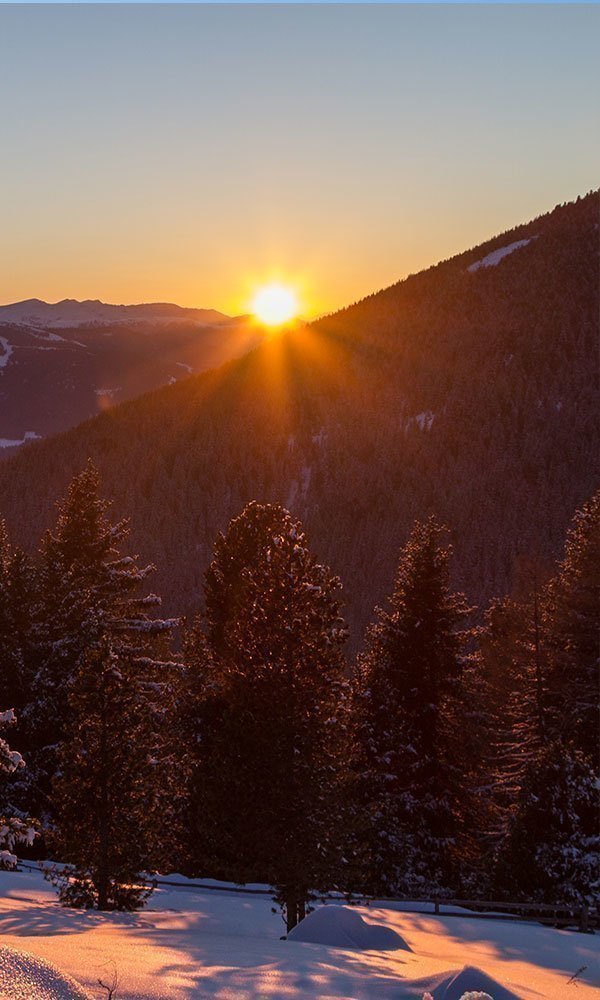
(62, 363)
(192, 944)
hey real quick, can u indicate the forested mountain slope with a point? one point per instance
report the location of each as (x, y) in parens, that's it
(471, 392)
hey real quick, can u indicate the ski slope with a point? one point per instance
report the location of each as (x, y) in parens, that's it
(190, 944)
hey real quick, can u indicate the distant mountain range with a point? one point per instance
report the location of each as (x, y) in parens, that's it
(63, 362)
(91, 312)
(469, 390)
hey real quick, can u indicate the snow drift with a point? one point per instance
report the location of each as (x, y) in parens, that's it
(471, 980)
(341, 927)
(23, 977)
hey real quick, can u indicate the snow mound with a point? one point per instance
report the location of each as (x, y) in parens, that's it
(471, 980)
(24, 977)
(341, 927)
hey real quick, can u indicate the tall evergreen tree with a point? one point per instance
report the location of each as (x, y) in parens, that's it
(11, 655)
(552, 849)
(573, 608)
(411, 758)
(116, 777)
(510, 662)
(551, 845)
(86, 590)
(15, 827)
(264, 786)
(17, 589)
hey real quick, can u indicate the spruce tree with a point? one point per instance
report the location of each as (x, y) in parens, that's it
(15, 827)
(12, 682)
(116, 779)
(573, 609)
(17, 655)
(552, 849)
(86, 590)
(551, 843)
(513, 695)
(264, 784)
(411, 755)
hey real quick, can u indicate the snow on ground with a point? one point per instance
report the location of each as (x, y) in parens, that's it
(343, 927)
(193, 943)
(496, 256)
(25, 977)
(7, 352)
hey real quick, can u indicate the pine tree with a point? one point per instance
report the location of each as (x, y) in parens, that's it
(17, 588)
(552, 849)
(11, 655)
(551, 844)
(86, 590)
(264, 786)
(573, 608)
(15, 827)
(116, 778)
(411, 756)
(513, 693)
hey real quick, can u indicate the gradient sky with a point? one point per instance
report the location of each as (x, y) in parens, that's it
(190, 153)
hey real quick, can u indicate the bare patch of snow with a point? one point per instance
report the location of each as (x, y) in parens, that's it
(425, 420)
(107, 392)
(14, 443)
(496, 256)
(182, 364)
(292, 494)
(306, 478)
(8, 350)
(48, 336)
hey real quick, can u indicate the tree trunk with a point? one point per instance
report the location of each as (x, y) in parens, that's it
(103, 873)
(539, 684)
(295, 907)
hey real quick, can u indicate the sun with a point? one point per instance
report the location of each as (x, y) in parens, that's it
(275, 304)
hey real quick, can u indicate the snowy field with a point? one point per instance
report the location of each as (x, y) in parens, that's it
(190, 944)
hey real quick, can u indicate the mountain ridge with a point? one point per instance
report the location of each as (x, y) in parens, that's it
(86, 312)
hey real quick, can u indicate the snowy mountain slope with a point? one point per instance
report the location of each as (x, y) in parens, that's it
(63, 363)
(189, 945)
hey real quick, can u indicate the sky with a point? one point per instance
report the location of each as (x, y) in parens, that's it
(193, 153)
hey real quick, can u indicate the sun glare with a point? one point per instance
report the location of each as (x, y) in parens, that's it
(275, 305)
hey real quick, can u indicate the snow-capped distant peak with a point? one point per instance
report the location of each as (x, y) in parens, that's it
(496, 256)
(35, 313)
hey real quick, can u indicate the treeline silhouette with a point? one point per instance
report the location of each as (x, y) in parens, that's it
(448, 757)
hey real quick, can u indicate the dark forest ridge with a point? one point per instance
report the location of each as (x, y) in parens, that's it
(468, 391)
